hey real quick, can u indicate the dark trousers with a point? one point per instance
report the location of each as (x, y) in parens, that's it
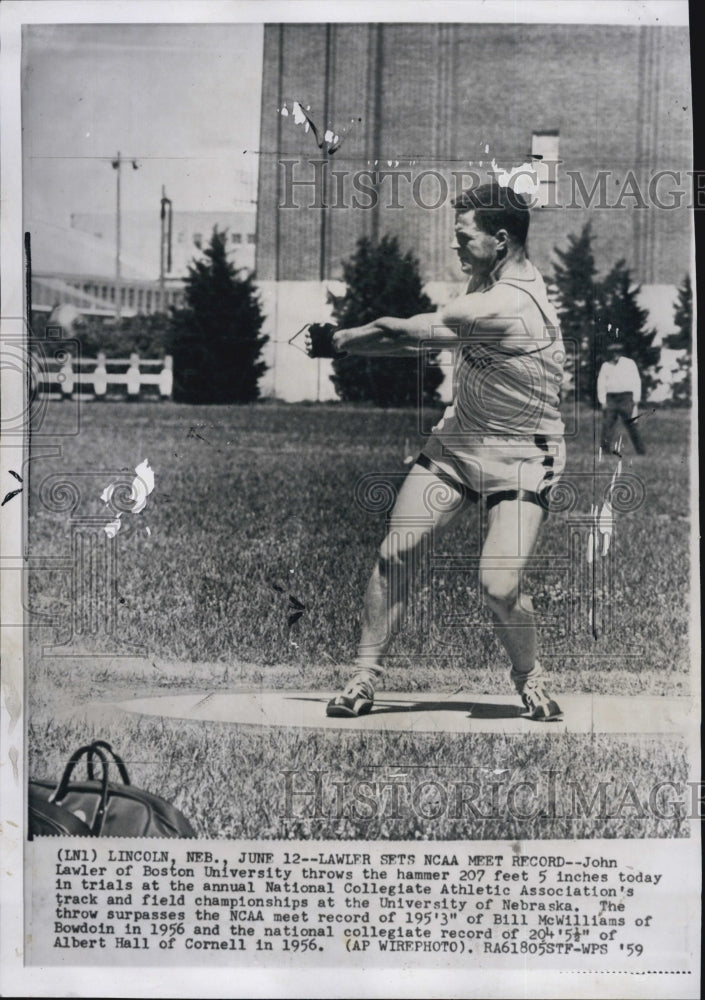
(620, 404)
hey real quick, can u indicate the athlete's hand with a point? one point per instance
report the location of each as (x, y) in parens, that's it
(320, 340)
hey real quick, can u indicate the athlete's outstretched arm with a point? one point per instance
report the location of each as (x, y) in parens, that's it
(395, 337)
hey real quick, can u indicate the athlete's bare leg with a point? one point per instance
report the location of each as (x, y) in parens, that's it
(514, 527)
(513, 530)
(425, 507)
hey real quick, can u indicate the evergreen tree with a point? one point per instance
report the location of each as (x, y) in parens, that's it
(594, 311)
(578, 307)
(621, 317)
(683, 341)
(683, 316)
(382, 281)
(215, 339)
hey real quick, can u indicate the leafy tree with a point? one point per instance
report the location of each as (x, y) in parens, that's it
(683, 341)
(215, 339)
(578, 306)
(621, 313)
(148, 335)
(382, 281)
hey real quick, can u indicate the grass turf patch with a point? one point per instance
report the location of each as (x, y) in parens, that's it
(256, 504)
(241, 783)
(253, 504)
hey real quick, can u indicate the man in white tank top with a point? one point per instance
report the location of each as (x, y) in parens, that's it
(501, 440)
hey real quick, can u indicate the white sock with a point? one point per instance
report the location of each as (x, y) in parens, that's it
(520, 677)
(369, 669)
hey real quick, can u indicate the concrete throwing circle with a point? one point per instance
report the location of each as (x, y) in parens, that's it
(425, 712)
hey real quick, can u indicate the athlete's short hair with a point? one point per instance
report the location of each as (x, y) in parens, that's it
(496, 207)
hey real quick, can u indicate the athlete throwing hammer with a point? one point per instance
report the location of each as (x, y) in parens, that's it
(501, 440)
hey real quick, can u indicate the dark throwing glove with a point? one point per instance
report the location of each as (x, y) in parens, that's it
(319, 341)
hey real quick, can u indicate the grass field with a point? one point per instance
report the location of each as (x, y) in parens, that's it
(254, 504)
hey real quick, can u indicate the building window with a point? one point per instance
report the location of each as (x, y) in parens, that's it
(198, 240)
(544, 146)
(250, 237)
(236, 238)
(180, 237)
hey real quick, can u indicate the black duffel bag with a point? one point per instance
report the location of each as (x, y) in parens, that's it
(99, 807)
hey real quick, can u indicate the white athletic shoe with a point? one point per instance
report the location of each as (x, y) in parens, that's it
(540, 706)
(355, 700)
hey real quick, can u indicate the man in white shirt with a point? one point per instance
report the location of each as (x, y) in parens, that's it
(619, 395)
(501, 441)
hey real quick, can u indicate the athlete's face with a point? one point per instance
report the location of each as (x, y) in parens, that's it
(477, 251)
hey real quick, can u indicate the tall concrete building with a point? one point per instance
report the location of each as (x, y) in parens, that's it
(372, 128)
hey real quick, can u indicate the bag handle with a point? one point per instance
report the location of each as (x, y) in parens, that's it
(63, 787)
(116, 759)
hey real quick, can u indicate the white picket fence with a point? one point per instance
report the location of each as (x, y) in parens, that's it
(64, 376)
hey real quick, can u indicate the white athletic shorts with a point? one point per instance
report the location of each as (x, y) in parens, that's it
(490, 465)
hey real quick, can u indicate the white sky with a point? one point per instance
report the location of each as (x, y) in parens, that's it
(184, 100)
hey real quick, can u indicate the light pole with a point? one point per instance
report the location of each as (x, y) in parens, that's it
(118, 270)
(165, 244)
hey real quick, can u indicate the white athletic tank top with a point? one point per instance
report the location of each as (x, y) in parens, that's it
(507, 378)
